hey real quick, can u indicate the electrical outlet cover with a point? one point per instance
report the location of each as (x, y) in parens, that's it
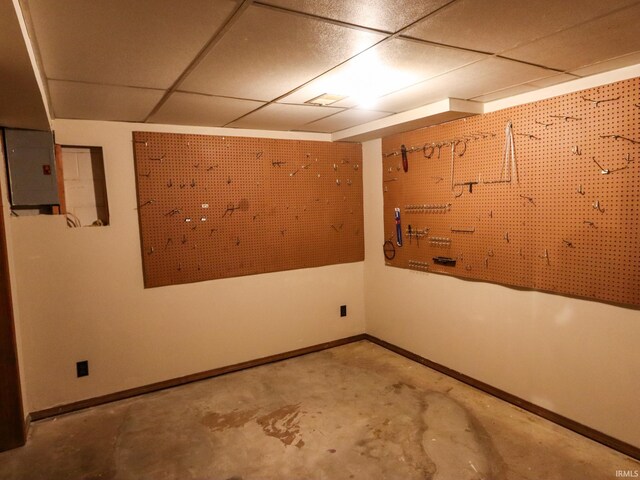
(82, 368)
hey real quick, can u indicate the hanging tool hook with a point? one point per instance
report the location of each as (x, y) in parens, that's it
(598, 102)
(456, 143)
(603, 171)
(429, 147)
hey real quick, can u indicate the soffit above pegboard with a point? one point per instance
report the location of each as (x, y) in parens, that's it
(433, 114)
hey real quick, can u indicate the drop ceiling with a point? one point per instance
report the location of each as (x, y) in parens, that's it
(254, 64)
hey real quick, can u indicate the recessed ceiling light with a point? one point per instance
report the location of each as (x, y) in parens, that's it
(325, 99)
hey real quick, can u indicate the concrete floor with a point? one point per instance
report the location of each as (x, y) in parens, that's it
(352, 412)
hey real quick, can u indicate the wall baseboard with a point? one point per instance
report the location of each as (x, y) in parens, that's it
(565, 422)
(27, 426)
(195, 377)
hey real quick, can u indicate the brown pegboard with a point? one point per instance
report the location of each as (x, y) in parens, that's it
(214, 207)
(563, 226)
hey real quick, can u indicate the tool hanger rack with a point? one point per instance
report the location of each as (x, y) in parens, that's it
(214, 207)
(560, 215)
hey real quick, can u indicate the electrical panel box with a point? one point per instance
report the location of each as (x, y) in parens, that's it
(32, 167)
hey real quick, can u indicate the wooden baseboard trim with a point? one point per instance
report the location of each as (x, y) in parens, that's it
(195, 377)
(27, 426)
(579, 428)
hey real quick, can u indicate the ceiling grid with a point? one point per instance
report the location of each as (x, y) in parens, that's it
(256, 64)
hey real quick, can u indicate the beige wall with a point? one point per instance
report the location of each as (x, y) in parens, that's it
(578, 358)
(80, 295)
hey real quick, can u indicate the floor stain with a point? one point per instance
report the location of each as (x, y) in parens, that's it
(453, 433)
(283, 424)
(397, 446)
(222, 421)
(498, 465)
(397, 387)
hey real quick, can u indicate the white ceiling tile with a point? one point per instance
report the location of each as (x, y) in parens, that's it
(505, 92)
(96, 53)
(101, 102)
(607, 65)
(472, 81)
(278, 116)
(267, 53)
(414, 96)
(387, 15)
(396, 63)
(140, 43)
(194, 109)
(608, 37)
(498, 25)
(554, 80)
(342, 120)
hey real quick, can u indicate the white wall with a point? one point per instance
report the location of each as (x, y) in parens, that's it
(578, 358)
(80, 295)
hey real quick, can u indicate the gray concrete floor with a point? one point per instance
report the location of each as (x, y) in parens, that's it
(352, 412)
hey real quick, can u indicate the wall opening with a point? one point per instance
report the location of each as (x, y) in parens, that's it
(85, 192)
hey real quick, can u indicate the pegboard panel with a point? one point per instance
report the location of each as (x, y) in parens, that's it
(214, 207)
(560, 215)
